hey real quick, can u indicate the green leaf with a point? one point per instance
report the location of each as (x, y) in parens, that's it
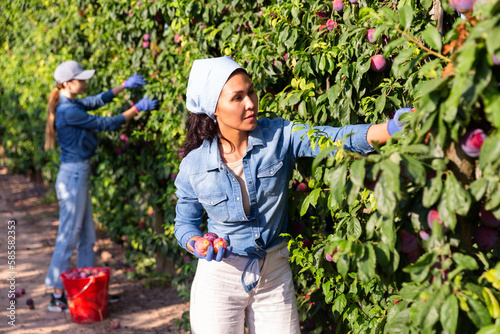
(458, 198)
(343, 265)
(398, 322)
(414, 169)
(357, 172)
(366, 264)
(406, 16)
(478, 312)
(490, 152)
(491, 329)
(466, 261)
(354, 229)
(311, 199)
(432, 191)
(339, 304)
(323, 154)
(380, 103)
(420, 269)
(478, 188)
(383, 257)
(494, 199)
(387, 188)
(449, 314)
(388, 232)
(338, 182)
(432, 37)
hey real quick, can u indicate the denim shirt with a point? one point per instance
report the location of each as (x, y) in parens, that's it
(76, 129)
(205, 184)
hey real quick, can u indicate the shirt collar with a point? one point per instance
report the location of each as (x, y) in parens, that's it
(255, 138)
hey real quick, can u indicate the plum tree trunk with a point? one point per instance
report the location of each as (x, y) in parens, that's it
(162, 263)
(464, 169)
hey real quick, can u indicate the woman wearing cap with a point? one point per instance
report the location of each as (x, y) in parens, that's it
(76, 135)
(237, 169)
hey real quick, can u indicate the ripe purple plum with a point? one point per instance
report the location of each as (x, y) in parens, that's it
(210, 236)
(306, 243)
(378, 63)
(201, 246)
(145, 44)
(432, 216)
(329, 256)
(331, 24)
(472, 142)
(146, 37)
(338, 5)
(413, 255)
(463, 6)
(495, 60)
(220, 243)
(424, 234)
(409, 241)
(369, 35)
(488, 219)
(486, 238)
(302, 187)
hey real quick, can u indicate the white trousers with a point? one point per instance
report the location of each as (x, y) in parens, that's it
(220, 305)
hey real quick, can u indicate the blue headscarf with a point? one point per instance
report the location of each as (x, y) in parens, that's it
(206, 80)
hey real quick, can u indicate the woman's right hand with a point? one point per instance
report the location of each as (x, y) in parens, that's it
(134, 81)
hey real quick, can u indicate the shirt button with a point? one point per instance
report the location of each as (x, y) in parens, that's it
(249, 182)
(256, 235)
(242, 218)
(212, 202)
(246, 162)
(234, 179)
(271, 173)
(237, 198)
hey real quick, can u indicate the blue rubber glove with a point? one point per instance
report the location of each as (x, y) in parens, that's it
(395, 125)
(222, 254)
(134, 81)
(146, 104)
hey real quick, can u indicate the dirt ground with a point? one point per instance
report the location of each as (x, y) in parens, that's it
(140, 309)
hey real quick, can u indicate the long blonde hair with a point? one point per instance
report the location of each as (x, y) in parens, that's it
(50, 129)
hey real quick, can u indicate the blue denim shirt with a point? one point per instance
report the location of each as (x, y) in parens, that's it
(76, 129)
(205, 184)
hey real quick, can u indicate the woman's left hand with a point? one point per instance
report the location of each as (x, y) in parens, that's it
(223, 252)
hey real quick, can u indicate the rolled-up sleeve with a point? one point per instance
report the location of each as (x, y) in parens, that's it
(352, 136)
(188, 212)
(96, 101)
(79, 118)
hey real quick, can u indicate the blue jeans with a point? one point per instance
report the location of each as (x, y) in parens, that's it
(76, 224)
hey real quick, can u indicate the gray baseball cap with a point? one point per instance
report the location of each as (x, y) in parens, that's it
(69, 70)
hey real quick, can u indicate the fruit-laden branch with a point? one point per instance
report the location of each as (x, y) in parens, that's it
(420, 45)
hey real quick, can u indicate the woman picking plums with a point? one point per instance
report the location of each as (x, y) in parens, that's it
(237, 169)
(67, 118)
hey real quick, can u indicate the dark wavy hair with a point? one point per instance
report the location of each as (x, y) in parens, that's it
(201, 127)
